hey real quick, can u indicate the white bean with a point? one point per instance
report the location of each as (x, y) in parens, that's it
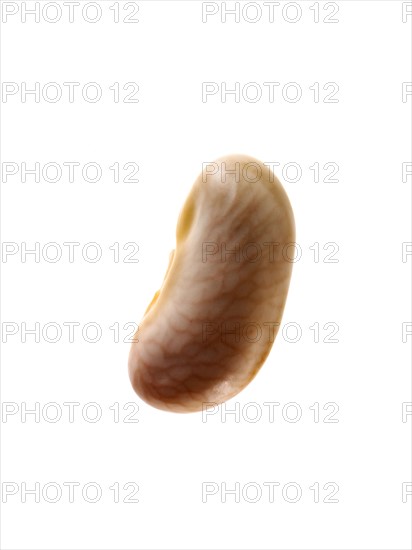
(210, 327)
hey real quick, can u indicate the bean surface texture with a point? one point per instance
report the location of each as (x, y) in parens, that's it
(210, 327)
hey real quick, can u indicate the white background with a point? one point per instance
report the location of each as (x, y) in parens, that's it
(169, 133)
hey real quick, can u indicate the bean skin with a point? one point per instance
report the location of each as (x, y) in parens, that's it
(198, 341)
